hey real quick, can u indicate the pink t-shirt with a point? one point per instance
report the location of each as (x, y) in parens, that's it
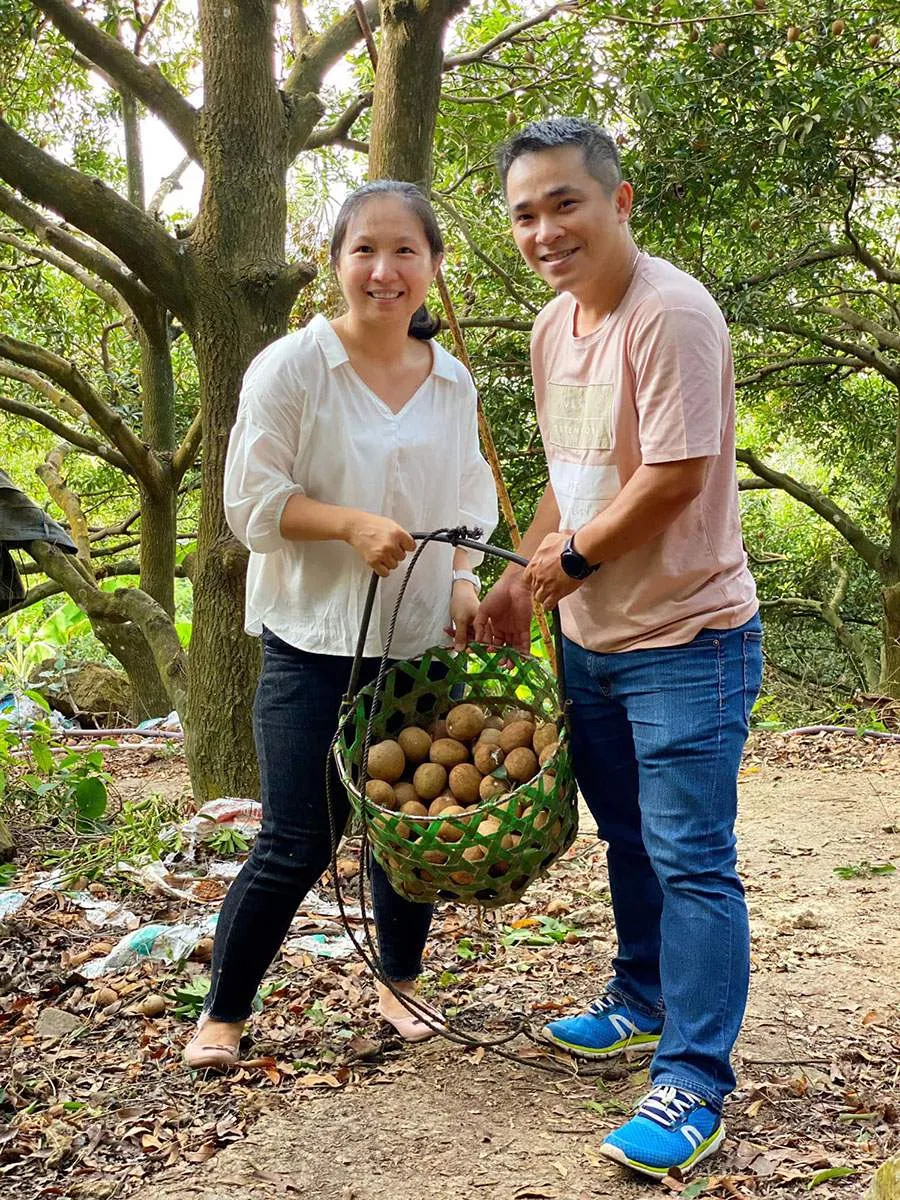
(654, 384)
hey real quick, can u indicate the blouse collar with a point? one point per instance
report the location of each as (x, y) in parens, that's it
(335, 354)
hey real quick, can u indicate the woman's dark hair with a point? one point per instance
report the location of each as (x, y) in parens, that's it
(422, 325)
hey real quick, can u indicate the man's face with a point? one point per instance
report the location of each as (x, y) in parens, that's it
(568, 227)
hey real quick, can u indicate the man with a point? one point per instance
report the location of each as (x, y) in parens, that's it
(637, 539)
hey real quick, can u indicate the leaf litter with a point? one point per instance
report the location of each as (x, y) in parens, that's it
(97, 1104)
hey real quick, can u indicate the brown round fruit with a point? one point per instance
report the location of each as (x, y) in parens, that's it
(547, 753)
(415, 743)
(448, 752)
(509, 841)
(511, 119)
(438, 729)
(521, 764)
(429, 780)
(793, 33)
(873, 41)
(487, 758)
(474, 853)
(464, 878)
(491, 788)
(414, 808)
(837, 28)
(490, 737)
(405, 792)
(518, 733)
(450, 832)
(386, 761)
(436, 857)
(493, 722)
(465, 780)
(439, 803)
(488, 826)
(544, 734)
(693, 33)
(516, 714)
(718, 50)
(465, 722)
(381, 793)
(153, 1005)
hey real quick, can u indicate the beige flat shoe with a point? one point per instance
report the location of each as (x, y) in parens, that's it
(210, 1057)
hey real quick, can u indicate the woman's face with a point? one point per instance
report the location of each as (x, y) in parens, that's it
(385, 266)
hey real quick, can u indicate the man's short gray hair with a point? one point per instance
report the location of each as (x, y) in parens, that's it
(601, 158)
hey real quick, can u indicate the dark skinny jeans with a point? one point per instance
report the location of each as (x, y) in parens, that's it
(295, 716)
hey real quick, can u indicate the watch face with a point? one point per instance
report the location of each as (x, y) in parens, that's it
(574, 565)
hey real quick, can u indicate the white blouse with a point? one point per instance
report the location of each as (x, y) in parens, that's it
(307, 423)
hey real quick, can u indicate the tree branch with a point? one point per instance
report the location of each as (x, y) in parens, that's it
(184, 457)
(865, 354)
(315, 58)
(505, 35)
(887, 339)
(67, 376)
(50, 474)
(338, 131)
(107, 294)
(873, 554)
(123, 605)
(145, 82)
(878, 269)
(74, 437)
(495, 323)
(506, 279)
(787, 364)
(93, 260)
(806, 259)
(167, 185)
(57, 398)
(139, 241)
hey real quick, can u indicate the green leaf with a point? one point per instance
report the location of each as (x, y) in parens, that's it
(43, 756)
(90, 798)
(829, 1173)
(697, 1188)
(39, 700)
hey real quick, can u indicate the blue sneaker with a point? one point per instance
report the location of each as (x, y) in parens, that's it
(609, 1027)
(671, 1128)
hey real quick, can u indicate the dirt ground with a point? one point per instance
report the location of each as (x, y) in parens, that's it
(328, 1105)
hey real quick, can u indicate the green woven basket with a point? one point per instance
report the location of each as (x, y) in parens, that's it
(424, 857)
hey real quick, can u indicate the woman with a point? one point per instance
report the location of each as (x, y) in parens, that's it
(349, 434)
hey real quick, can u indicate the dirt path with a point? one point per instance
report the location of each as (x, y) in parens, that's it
(331, 1108)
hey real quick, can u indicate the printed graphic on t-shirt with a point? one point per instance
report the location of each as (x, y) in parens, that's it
(582, 490)
(580, 417)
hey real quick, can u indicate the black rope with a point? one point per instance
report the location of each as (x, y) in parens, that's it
(459, 536)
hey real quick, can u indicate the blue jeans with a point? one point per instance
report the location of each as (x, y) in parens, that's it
(657, 737)
(295, 716)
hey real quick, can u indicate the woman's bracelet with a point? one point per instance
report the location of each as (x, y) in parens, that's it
(469, 577)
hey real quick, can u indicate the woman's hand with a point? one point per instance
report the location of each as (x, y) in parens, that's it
(379, 541)
(463, 608)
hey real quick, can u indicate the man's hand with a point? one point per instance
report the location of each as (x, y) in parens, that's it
(544, 575)
(463, 611)
(379, 541)
(504, 616)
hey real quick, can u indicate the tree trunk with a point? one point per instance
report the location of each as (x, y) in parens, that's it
(127, 644)
(408, 89)
(240, 304)
(890, 667)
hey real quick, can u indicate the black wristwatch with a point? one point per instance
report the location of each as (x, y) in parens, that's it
(575, 565)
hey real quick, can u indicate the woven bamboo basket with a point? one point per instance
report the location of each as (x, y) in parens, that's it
(425, 857)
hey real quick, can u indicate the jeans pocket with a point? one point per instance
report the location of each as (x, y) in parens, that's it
(753, 668)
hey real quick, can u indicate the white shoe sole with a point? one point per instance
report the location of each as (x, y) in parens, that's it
(620, 1156)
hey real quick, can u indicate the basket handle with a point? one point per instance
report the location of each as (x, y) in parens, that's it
(456, 537)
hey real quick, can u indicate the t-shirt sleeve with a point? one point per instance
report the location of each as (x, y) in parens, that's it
(678, 358)
(262, 451)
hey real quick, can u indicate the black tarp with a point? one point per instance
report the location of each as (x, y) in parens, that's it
(21, 522)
